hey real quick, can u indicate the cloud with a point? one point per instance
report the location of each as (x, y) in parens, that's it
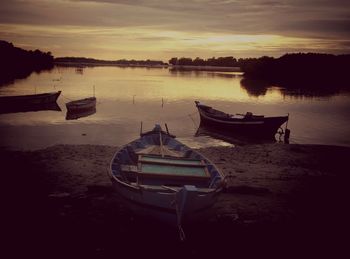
(195, 27)
(245, 16)
(340, 27)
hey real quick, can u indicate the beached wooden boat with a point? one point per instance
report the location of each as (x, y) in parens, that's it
(82, 104)
(26, 100)
(160, 177)
(240, 124)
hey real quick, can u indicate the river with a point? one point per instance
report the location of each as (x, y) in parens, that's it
(128, 96)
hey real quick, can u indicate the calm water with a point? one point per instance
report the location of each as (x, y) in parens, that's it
(127, 96)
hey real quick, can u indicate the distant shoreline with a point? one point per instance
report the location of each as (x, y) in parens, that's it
(174, 67)
(98, 64)
(207, 68)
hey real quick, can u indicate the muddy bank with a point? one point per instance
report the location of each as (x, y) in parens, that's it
(280, 198)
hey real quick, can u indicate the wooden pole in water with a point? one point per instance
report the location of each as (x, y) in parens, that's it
(141, 129)
(167, 130)
(287, 121)
(286, 132)
(286, 136)
(161, 144)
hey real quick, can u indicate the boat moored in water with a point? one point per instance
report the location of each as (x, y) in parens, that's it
(249, 125)
(43, 98)
(32, 102)
(81, 105)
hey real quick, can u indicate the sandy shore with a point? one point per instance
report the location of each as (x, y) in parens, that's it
(279, 198)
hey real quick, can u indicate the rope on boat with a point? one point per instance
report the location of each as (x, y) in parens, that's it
(190, 115)
(179, 219)
(66, 97)
(178, 212)
(98, 102)
(161, 144)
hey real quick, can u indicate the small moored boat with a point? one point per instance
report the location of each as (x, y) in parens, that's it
(247, 124)
(160, 177)
(27, 103)
(31, 99)
(81, 105)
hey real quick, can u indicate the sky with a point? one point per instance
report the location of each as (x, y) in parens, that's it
(161, 29)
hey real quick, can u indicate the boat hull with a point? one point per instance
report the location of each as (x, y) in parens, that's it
(159, 205)
(263, 127)
(25, 103)
(81, 105)
(44, 98)
(177, 184)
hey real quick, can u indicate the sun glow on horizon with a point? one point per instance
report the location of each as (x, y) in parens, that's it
(110, 43)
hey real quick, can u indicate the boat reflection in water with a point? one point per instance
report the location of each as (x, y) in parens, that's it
(74, 115)
(29, 108)
(234, 138)
(81, 105)
(81, 108)
(246, 125)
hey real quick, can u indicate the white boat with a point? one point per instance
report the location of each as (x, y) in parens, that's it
(160, 177)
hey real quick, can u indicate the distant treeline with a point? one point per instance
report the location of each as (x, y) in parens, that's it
(217, 62)
(297, 69)
(302, 70)
(81, 60)
(19, 63)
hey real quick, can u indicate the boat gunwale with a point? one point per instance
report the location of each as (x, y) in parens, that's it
(160, 187)
(81, 104)
(87, 100)
(242, 121)
(30, 96)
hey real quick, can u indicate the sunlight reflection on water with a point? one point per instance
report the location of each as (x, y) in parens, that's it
(127, 96)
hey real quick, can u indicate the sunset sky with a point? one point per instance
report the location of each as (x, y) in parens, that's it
(161, 29)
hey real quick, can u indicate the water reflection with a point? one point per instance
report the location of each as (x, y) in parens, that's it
(128, 96)
(255, 87)
(236, 139)
(79, 70)
(74, 115)
(7, 79)
(201, 73)
(29, 108)
(295, 89)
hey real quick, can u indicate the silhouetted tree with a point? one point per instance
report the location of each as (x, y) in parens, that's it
(185, 62)
(198, 62)
(124, 62)
(19, 63)
(173, 61)
(300, 70)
